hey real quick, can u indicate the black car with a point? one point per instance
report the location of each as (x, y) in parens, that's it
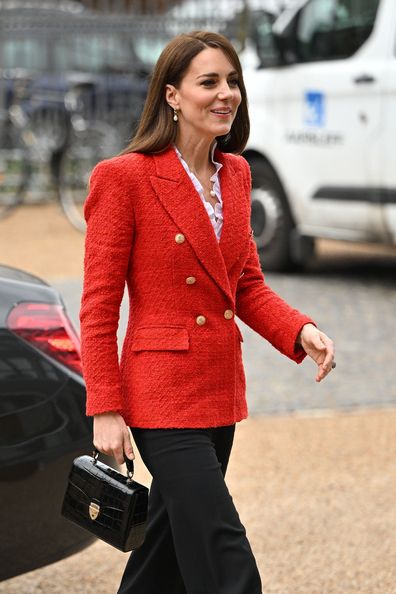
(43, 425)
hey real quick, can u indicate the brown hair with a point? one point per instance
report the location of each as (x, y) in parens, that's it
(157, 130)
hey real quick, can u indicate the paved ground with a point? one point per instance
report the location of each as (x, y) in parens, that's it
(316, 490)
(317, 498)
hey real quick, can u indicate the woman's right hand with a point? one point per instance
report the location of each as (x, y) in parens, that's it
(111, 436)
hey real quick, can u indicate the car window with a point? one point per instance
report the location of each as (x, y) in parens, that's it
(148, 49)
(94, 53)
(334, 29)
(23, 53)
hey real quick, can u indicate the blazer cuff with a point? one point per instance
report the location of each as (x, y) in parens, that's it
(103, 402)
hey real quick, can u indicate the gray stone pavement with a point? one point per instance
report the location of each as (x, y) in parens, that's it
(355, 306)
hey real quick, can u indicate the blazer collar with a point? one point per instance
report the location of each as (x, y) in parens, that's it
(178, 196)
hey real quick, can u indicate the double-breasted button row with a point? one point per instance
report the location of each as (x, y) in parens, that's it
(201, 320)
(179, 238)
(191, 280)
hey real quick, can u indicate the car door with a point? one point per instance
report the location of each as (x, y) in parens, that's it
(334, 118)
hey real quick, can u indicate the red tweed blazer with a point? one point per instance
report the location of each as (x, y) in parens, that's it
(181, 363)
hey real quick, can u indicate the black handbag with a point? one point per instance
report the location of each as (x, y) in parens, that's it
(110, 505)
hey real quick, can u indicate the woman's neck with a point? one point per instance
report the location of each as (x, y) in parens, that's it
(196, 154)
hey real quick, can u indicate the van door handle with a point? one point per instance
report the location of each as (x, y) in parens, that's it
(364, 79)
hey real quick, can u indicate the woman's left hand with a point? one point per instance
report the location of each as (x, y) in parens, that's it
(319, 347)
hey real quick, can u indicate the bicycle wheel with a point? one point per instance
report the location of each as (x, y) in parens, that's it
(14, 169)
(85, 148)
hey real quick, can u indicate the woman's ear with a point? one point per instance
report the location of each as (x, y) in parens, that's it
(171, 96)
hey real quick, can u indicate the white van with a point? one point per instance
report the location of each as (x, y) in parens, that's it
(323, 128)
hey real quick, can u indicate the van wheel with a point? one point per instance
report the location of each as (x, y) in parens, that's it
(271, 220)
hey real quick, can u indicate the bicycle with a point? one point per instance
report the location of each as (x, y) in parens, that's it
(13, 155)
(32, 134)
(89, 141)
(63, 137)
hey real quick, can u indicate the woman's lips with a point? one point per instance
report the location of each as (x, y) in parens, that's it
(222, 113)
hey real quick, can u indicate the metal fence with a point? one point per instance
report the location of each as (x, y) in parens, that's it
(73, 79)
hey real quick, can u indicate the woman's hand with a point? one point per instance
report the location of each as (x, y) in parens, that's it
(111, 436)
(319, 347)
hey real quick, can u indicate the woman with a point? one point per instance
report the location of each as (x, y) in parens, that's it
(171, 218)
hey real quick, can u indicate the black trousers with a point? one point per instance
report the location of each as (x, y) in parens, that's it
(195, 542)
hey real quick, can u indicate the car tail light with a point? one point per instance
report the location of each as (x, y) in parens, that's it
(48, 328)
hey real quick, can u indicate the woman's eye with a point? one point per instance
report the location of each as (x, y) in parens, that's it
(209, 82)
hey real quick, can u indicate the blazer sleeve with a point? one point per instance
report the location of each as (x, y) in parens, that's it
(110, 229)
(261, 308)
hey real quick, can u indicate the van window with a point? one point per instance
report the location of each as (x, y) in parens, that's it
(333, 29)
(261, 33)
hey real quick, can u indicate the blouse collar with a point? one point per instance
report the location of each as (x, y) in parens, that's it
(217, 165)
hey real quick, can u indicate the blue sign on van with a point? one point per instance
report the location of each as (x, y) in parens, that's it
(314, 108)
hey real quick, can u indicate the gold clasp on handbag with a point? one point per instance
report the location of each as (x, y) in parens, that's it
(94, 510)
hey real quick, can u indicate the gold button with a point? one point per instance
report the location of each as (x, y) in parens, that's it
(190, 280)
(201, 320)
(179, 238)
(228, 314)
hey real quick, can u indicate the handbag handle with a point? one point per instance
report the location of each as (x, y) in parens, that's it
(129, 464)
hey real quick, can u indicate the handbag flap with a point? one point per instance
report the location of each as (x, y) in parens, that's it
(97, 481)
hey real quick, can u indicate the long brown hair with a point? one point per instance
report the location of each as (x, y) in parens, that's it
(157, 130)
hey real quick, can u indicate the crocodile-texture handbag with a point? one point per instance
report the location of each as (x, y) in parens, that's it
(110, 505)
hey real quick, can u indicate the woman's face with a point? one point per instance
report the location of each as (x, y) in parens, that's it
(208, 96)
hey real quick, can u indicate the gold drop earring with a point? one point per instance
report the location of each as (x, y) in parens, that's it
(175, 116)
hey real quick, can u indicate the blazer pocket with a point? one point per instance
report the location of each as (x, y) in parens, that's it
(160, 338)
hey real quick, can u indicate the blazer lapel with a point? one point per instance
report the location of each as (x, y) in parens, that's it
(236, 224)
(178, 196)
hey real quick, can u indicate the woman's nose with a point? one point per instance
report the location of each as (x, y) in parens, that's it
(225, 92)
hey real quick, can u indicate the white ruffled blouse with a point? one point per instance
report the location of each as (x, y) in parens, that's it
(216, 213)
